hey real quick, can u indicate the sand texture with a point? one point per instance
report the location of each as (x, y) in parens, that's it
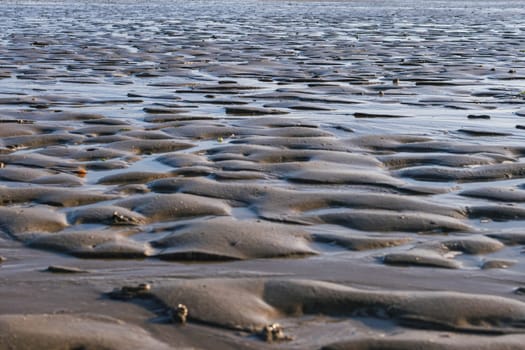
(262, 174)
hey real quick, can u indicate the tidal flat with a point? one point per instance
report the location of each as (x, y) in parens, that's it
(262, 174)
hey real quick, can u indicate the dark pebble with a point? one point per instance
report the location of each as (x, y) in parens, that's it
(519, 291)
(64, 269)
(478, 116)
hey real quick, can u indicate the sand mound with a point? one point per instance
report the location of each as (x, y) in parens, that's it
(228, 239)
(62, 331)
(251, 304)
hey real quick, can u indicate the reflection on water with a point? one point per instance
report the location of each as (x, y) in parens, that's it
(363, 133)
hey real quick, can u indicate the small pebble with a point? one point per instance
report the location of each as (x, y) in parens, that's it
(274, 332)
(64, 269)
(129, 292)
(81, 172)
(478, 116)
(123, 220)
(180, 314)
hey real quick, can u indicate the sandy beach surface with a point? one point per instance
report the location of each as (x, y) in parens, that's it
(262, 174)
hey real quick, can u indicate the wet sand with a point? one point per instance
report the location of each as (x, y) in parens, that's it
(225, 175)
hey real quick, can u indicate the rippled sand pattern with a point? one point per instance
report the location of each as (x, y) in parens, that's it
(232, 174)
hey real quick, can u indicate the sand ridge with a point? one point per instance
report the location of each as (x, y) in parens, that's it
(321, 175)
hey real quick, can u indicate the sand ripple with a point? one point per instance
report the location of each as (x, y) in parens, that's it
(352, 170)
